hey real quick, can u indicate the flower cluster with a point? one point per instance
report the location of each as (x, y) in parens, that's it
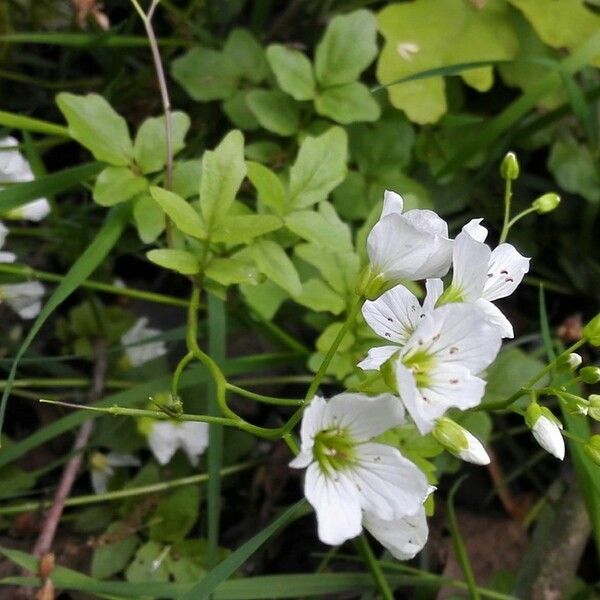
(434, 354)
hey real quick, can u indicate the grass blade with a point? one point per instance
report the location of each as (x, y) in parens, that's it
(8, 119)
(110, 39)
(83, 267)
(18, 194)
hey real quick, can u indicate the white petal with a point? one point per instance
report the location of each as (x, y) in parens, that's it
(302, 460)
(403, 537)
(3, 229)
(390, 485)
(137, 352)
(32, 211)
(376, 357)
(434, 288)
(495, 317)
(470, 260)
(119, 459)
(100, 480)
(394, 315)
(193, 438)
(448, 386)
(427, 220)
(475, 452)
(505, 272)
(477, 231)
(24, 298)
(336, 502)
(7, 257)
(456, 333)
(365, 417)
(313, 421)
(548, 436)
(392, 203)
(163, 440)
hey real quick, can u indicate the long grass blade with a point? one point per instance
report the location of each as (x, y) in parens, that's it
(110, 39)
(8, 119)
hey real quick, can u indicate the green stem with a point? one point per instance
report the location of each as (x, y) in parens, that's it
(29, 273)
(127, 493)
(261, 398)
(507, 201)
(378, 575)
(275, 380)
(518, 217)
(68, 382)
(183, 363)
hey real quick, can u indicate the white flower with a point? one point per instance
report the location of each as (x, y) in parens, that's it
(166, 437)
(474, 452)
(460, 442)
(481, 275)
(412, 245)
(14, 168)
(103, 468)
(139, 353)
(546, 431)
(23, 298)
(5, 257)
(437, 366)
(394, 316)
(349, 477)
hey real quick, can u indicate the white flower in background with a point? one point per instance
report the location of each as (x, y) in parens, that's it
(394, 316)
(481, 275)
(5, 257)
(460, 442)
(103, 468)
(14, 168)
(437, 367)
(137, 352)
(166, 437)
(546, 429)
(412, 245)
(350, 479)
(24, 298)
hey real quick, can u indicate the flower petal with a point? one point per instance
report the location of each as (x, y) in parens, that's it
(120, 459)
(336, 502)
(314, 419)
(495, 317)
(193, 438)
(394, 315)
(470, 260)
(163, 440)
(365, 417)
(389, 484)
(548, 436)
(376, 357)
(392, 203)
(505, 272)
(24, 298)
(477, 231)
(403, 537)
(434, 288)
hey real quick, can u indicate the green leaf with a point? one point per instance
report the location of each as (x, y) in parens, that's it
(223, 171)
(186, 177)
(272, 260)
(150, 146)
(186, 219)
(229, 271)
(237, 110)
(268, 185)
(319, 168)
(265, 298)
(20, 193)
(177, 260)
(275, 111)
(349, 103)
(247, 55)
(147, 566)
(94, 124)
(318, 296)
(117, 184)
(244, 228)
(205, 74)
(149, 218)
(293, 71)
(175, 515)
(113, 552)
(81, 269)
(323, 228)
(347, 48)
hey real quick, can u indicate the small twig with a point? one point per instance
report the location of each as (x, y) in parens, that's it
(48, 531)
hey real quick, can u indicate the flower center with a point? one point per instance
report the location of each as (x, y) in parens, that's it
(334, 450)
(420, 363)
(451, 294)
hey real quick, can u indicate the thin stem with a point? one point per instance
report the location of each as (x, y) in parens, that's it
(507, 201)
(261, 398)
(29, 273)
(183, 363)
(72, 382)
(522, 214)
(129, 492)
(378, 575)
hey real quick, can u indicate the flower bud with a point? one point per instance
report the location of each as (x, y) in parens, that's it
(591, 332)
(570, 362)
(370, 285)
(460, 442)
(592, 449)
(590, 375)
(593, 409)
(509, 168)
(546, 203)
(545, 428)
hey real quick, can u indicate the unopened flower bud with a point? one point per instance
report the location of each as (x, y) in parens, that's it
(545, 428)
(570, 362)
(592, 449)
(590, 375)
(509, 168)
(460, 442)
(546, 203)
(593, 409)
(591, 332)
